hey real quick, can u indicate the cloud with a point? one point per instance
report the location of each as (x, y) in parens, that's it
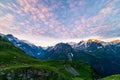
(7, 24)
(75, 4)
(81, 19)
(6, 20)
(94, 25)
(104, 12)
(44, 14)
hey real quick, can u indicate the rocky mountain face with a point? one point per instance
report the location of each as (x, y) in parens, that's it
(29, 73)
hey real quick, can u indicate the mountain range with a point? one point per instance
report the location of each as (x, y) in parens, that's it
(104, 57)
(16, 65)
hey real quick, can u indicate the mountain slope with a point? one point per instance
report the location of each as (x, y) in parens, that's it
(9, 54)
(16, 65)
(27, 47)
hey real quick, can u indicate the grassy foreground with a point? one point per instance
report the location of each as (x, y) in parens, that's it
(113, 77)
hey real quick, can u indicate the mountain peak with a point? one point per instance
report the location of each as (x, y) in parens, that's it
(94, 40)
(72, 43)
(9, 35)
(62, 45)
(117, 40)
(1, 34)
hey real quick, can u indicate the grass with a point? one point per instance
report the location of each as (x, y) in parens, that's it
(113, 77)
(77, 78)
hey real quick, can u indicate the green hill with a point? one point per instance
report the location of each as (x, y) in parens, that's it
(113, 77)
(10, 55)
(16, 65)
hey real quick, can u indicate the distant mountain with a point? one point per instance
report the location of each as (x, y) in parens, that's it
(61, 51)
(104, 57)
(27, 47)
(99, 49)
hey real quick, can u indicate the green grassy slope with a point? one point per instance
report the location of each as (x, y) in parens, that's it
(14, 62)
(10, 55)
(113, 77)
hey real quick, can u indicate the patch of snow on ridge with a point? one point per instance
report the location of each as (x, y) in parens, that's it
(70, 55)
(10, 39)
(105, 43)
(38, 53)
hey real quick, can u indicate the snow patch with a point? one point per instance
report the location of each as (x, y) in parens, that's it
(38, 53)
(99, 47)
(10, 39)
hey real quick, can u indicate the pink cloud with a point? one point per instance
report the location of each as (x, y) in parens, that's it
(5, 24)
(73, 4)
(9, 6)
(6, 21)
(106, 11)
(103, 13)
(16, 28)
(1, 30)
(43, 13)
(93, 25)
(9, 16)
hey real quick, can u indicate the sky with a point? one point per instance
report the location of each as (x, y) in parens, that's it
(47, 22)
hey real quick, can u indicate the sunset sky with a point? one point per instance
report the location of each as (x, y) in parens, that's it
(47, 22)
